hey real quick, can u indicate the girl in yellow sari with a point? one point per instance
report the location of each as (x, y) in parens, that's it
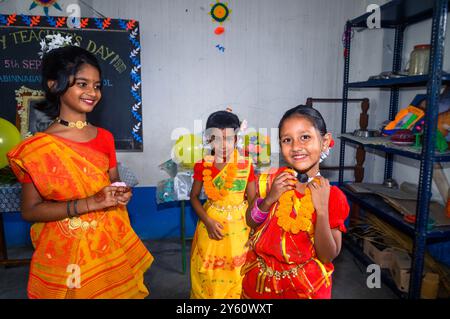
(84, 244)
(219, 244)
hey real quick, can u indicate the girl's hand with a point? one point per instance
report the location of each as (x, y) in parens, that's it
(214, 229)
(104, 199)
(123, 195)
(320, 193)
(282, 183)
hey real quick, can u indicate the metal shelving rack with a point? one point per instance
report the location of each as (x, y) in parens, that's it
(397, 15)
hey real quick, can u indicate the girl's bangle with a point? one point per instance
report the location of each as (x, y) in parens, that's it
(257, 214)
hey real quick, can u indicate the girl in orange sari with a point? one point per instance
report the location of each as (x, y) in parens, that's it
(218, 248)
(298, 218)
(84, 244)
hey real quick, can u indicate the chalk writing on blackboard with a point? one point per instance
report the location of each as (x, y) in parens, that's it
(115, 43)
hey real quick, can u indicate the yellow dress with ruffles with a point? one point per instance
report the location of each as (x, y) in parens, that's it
(216, 264)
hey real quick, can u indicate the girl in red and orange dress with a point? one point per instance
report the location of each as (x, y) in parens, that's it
(84, 244)
(298, 217)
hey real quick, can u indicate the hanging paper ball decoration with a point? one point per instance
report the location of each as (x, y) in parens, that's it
(219, 30)
(45, 4)
(219, 11)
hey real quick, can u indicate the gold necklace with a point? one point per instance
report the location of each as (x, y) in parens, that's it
(78, 124)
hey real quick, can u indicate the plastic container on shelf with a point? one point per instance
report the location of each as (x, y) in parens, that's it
(419, 59)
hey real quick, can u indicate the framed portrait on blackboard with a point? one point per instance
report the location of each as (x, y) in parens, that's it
(116, 45)
(30, 120)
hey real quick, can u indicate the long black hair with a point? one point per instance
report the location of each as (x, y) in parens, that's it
(61, 65)
(307, 112)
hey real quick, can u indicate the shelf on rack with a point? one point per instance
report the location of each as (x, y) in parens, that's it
(384, 144)
(399, 12)
(377, 206)
(404, 81)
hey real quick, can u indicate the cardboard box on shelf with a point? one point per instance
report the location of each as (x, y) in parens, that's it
(401, 269)
(378, 253)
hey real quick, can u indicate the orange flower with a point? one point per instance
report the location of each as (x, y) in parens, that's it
(229, 184)
(302, 220)
(229, 176)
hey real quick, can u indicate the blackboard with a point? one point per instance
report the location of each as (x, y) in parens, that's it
(115, 43)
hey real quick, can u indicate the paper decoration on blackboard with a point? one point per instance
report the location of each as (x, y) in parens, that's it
(45, 4)
(219, 11)
(127, 125)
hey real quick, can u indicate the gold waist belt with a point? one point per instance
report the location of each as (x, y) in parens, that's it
(228, 208)
(263, 268)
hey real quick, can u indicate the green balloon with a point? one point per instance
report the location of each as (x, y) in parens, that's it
(188, 150)
(9, 137)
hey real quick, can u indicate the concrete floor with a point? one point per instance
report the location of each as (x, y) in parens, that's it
(165, 278)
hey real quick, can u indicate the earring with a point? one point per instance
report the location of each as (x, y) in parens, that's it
(324, 154)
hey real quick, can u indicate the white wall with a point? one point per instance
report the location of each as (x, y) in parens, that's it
(277, 53)
(22, 7)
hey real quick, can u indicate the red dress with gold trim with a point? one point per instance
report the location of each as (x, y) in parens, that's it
(285, 265)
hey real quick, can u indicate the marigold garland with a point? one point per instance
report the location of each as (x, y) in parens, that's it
(303, 218)
(229, 175)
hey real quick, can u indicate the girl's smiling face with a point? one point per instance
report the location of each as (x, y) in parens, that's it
(85, 92)
(301, 144)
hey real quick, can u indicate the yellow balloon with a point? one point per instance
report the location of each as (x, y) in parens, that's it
(188, 150)
(9, 137)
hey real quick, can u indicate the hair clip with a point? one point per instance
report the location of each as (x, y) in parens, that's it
(54, 41)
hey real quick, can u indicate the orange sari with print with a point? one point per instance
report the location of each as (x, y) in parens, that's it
(282, 265)
(216, 264)
(96, 255)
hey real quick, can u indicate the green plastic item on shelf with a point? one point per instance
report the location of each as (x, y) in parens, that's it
(441, 143)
